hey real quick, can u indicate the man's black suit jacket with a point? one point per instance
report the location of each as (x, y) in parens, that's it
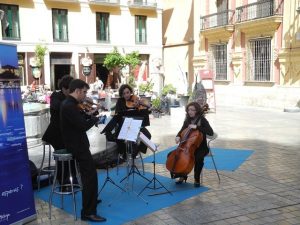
(53, 135)
(73, 127)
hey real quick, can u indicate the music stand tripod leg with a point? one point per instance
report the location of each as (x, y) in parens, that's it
(153, 180)
(133, 168)
(108, 179)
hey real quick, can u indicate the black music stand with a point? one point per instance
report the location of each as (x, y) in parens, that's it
(129, 132)
(108, 179)
(153, 148)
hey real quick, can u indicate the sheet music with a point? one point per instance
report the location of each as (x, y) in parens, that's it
(130, 129)
(148, 142)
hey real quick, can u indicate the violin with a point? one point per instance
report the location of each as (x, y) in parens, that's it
(137, 103)
(89, 108)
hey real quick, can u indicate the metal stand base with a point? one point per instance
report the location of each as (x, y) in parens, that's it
(108, 179)
(154, 180)
(133, 168)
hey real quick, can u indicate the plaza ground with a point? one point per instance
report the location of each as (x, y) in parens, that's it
(263, 190)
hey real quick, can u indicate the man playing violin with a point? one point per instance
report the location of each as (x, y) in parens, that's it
(74, 125)
(128, 105)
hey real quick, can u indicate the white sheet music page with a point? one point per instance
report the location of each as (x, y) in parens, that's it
(130, 129)
(148, 142)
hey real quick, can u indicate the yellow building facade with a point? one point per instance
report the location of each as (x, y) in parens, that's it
(180, 30)
(76, 29)
(252, 47)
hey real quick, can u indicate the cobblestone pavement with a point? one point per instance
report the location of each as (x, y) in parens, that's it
(264, 190)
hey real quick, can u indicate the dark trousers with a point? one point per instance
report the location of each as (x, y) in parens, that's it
(199, 162)
(89, 184)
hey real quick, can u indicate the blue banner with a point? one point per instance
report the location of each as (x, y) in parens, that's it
(16, 194)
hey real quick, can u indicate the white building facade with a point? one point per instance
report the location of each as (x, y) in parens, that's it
(74, 29)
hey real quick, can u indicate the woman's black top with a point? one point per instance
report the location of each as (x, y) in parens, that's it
(204, 127)
(124, 111)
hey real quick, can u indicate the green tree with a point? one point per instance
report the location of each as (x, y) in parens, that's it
(40, 52)
(114, 60)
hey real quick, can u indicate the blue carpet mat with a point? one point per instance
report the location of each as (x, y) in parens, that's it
(120, 207)
(225, 159)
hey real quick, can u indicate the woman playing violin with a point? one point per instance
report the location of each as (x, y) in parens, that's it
(129, 101)
(195, 120)
(129, 106)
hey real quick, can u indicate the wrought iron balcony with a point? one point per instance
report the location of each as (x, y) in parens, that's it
(257, 10)
(219, 19)
(105, 2)
(142, 3)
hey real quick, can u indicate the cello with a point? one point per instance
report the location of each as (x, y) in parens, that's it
(180, 161)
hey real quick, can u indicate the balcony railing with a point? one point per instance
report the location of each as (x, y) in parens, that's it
(217, 19)
(105, 2)
(261, 9)
(142, 3)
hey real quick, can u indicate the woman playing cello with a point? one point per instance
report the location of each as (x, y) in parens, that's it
(195, 120)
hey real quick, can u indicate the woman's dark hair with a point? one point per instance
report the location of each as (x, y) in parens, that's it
(77, 84)
(64, 82)
(198, 108)
(122, 88)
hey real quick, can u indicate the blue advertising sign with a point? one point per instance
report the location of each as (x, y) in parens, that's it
(16, 194)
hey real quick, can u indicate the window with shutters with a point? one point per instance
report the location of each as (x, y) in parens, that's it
(10, 22)
(60, 25)
(102, 27)
(140, 30)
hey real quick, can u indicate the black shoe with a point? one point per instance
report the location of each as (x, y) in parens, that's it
(196, 183)
(93, 218)
(181, 179)
(99, 201)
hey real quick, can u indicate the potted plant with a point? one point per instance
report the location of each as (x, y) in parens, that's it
(132, 60)
(40, 52)
(146, 88)
(156, 107)
(37, 61)
(168, 89)
(184, 99)
(114, 61)
(169, 92)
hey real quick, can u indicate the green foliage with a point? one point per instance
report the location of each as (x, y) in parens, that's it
(156, 104)
(131, 81)
(148, 87)
(114, 59)
(168, 89)
(40, 52)
(132, 59)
